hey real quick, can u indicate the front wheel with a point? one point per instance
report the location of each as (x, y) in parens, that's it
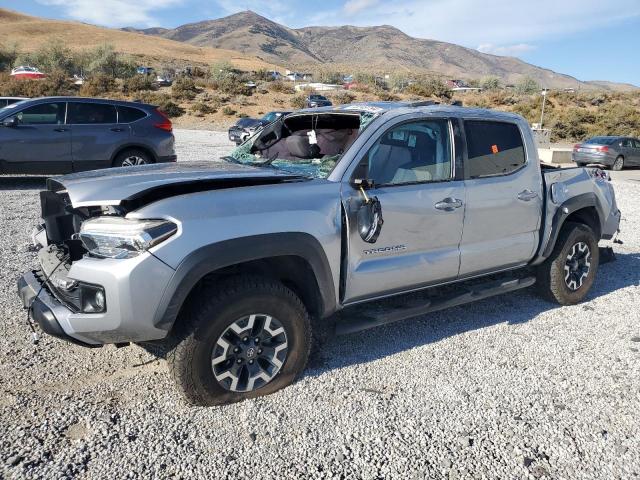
(618, 164)
(567, 275)
(246, 338)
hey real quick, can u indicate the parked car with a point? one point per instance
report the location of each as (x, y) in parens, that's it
(613, 152)
(236, 266)
(4, 101)
(163, 81)
(71, 134)
(314, 101)
(26, 72)
(245, 127)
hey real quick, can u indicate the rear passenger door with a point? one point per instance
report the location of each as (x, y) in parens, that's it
(503, 199)
(412, 168)
(95, 134)
(636, 152)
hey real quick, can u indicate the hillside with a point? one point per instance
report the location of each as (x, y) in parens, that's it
(32, 32)
(383, 48)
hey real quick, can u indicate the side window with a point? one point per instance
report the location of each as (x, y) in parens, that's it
(636, 143)
(493, 148)
(627, 143)
(129, 114)
(412, 152)
(90, 113)
(43, 114)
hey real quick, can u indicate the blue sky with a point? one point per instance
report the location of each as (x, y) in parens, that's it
(589, 39)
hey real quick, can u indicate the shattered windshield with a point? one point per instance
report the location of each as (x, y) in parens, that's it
(309, 144)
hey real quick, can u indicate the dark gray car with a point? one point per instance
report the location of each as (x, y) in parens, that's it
(613, 152)
(72, 134)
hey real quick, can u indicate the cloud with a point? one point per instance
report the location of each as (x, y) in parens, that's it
(506, 50)
(111, 13)
(354, 6)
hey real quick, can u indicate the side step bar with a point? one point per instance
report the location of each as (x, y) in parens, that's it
(351, 322)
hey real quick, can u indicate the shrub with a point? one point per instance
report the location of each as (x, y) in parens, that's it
(228, 111)
(299, 101)
(8, 55)
(527, 86)
(169, 107)
(103, 59)
(281, 87)
(54, 84)
(54, 56)
(429, 87)
(98, 85)
(184, 88)
(202, 108)
(386, 96)
(342, 97)
(137, 83)
(490, 83)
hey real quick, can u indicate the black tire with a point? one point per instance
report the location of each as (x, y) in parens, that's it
(552, 283)
(132, 157)
(201, 325)
(581, 164)
(618, 164)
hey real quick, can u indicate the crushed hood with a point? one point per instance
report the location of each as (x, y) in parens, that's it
(116, 186)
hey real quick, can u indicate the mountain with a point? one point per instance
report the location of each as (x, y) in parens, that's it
(30, 33)
(382, 48)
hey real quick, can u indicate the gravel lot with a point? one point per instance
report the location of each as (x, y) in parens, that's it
(510, 387)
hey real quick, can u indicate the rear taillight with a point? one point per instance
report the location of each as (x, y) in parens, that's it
(576, 147)
(165, 124)
(603, 149)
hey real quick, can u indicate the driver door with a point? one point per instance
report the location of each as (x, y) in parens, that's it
(39, 143)
(412, 168)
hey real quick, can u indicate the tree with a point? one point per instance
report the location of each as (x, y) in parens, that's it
(527, 86)
(490, 83)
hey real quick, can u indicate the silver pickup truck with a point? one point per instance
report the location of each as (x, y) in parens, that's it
(233, 265)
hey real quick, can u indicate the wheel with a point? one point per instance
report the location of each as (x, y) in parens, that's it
(567, 275)
(245, 338)
(618, 164)
(580, 164)
(132, 158)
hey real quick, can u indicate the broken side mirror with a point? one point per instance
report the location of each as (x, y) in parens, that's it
(369, 214)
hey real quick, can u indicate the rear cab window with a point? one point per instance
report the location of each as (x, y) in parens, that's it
(494, 148)
(91, 113)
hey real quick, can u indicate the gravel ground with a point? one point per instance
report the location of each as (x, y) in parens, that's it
(510, 387)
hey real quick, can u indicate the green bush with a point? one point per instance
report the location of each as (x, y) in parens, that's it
(527, 86)
(228, 111)
(98, 84)
(137, 83)
(343, 97)
(385, 96)
(490, 83)
(169, 107)
(281, 87)
(55, 84)
(429, 87)
(184, 88)
(8, 55)
(202, 108)
(299, 101)
(54, 56)
(103, 59)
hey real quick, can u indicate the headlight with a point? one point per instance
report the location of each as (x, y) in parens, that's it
(117, 237)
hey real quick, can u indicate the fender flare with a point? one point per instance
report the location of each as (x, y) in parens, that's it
(209, 258)
(572, 205)
(129, 146)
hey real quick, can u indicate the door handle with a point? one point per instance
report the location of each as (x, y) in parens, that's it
(449, 204)
(117, 129)
(527, 195)
(60, 129)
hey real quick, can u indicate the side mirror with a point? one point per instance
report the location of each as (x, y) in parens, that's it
(11, 122)
(369, 215)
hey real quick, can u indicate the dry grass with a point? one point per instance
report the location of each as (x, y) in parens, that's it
(32, 32)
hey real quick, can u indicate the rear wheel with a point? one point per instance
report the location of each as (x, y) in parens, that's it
(132, 158)
(618, 164)
(567, 275)
(246, 338)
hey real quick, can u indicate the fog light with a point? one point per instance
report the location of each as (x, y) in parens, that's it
(99, 300)
(93, 299)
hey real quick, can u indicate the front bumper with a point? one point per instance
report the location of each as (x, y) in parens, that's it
(46, 310)
(133, 289)
(168, 158)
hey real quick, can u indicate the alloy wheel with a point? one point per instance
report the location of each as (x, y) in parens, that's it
(577, 266)
(249, 353)
(133, 160)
